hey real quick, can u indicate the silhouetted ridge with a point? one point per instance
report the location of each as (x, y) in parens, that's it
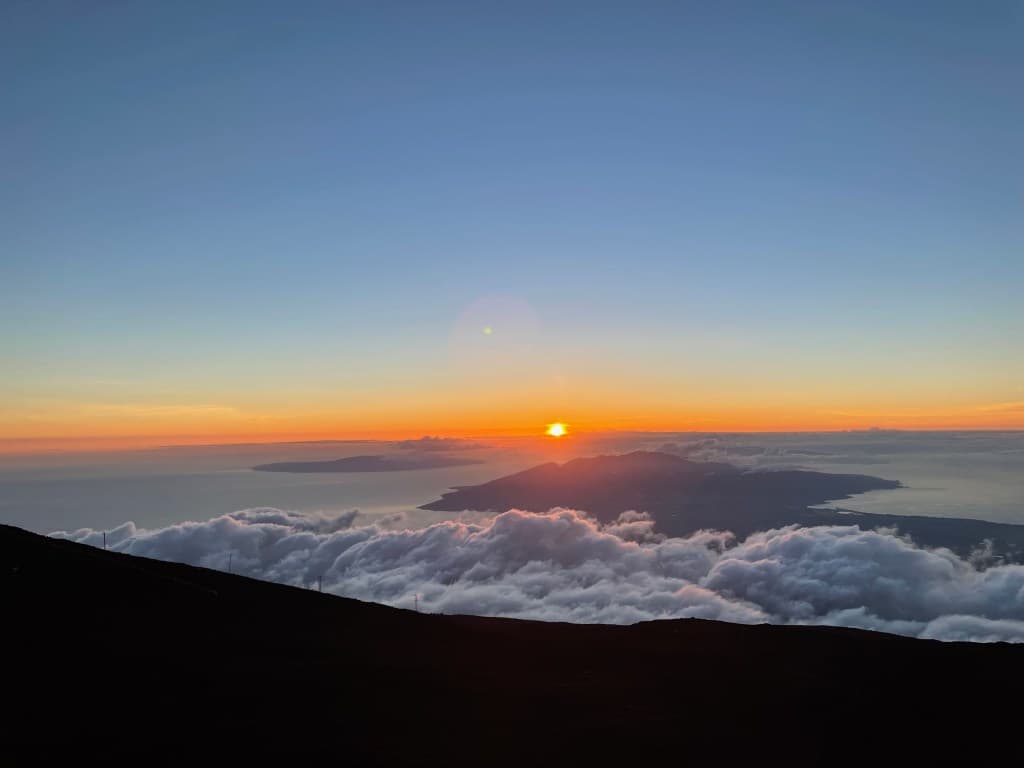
(159, 663)
(685, 496)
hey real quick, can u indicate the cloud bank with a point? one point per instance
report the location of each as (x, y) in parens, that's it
(867, 447)
(564, 566)
(430, 443)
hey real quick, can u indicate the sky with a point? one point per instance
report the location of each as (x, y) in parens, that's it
(231, 220)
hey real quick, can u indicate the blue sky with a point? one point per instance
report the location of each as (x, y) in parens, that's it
(204, 197)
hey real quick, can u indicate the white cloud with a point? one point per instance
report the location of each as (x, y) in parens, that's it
(565, 566)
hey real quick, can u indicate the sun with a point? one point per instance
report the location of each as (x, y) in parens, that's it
(557, 429)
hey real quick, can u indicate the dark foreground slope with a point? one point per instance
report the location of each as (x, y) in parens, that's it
(685, 496)
(122, 658)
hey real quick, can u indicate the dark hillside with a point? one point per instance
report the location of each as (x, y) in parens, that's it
(127, 659)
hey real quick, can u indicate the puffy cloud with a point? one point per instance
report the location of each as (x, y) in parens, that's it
(804, 574)
(565, 566)
(635, 526)
(734, 450)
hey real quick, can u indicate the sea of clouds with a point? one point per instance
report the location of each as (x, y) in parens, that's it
(803, 450)
(565, 566)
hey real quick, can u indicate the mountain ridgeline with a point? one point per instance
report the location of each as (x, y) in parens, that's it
(684, 496)
(153, 663)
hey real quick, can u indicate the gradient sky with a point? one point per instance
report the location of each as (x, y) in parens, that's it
(279, 220)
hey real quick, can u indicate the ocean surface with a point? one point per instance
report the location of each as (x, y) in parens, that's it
(949, 474)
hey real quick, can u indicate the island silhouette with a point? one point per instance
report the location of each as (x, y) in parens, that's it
(684, 496)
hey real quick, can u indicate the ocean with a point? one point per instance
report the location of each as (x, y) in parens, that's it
(949, 474)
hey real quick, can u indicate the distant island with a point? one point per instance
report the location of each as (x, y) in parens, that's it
(684, 496)
(368, 464)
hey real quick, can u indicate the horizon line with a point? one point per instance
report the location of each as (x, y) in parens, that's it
(107, 443)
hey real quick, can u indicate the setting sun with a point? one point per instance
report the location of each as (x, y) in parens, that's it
(557, 429)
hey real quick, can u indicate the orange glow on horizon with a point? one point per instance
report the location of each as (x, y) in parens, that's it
(91, 428)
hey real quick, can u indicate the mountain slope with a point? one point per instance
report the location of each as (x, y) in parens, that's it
(685, 496)
(120, 657)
